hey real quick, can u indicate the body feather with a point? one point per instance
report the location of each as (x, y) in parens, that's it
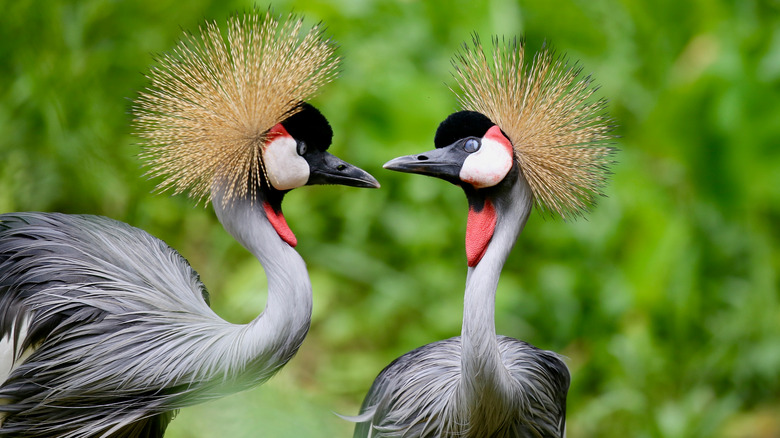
(413, 401)
(119, 326)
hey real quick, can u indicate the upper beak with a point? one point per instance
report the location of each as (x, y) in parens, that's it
(330, 169)
(441, 163)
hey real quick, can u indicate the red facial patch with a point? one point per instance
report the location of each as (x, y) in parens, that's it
(495, 134)
(479, 231)
(276, 132)
(280, 224)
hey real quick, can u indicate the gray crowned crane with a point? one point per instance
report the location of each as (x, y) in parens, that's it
(105, 331)
(524, 135)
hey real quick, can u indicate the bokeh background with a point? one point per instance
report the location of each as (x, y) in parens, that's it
(665, 299)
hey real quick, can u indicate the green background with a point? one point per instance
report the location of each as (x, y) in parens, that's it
(665, 299)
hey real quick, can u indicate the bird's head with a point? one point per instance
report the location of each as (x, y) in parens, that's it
(471, 151)
(295, 154)
(226, 119)
(533, 128)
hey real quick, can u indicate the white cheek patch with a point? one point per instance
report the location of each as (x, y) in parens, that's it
(285, 168)
(488, 166)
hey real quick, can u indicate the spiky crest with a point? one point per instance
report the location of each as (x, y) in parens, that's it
(560, 135)
(212, 99)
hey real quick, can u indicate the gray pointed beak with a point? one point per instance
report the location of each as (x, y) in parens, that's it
(330, 169)
(444, 163)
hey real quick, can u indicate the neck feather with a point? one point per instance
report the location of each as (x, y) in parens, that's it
(270, 340)
(483, 372)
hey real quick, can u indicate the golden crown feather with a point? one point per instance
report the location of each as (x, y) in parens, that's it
(560, 134)
(211, 100)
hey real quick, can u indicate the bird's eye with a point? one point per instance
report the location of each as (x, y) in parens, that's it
(301, 148)
(471, 145)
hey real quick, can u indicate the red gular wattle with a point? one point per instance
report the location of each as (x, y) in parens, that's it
(479, 230)
(279, 223)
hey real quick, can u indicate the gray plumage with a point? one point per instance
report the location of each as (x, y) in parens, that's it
(417, 393)
(121, 330)
(477, 385)
(105, 331)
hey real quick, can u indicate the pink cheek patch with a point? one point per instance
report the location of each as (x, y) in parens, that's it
(276, 132)
(280, 225)
(479, 231)
(494, 133)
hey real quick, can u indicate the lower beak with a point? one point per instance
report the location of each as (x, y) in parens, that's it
(333, 170)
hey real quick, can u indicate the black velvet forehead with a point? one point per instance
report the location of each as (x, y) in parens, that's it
(460, 125)
(309, 126)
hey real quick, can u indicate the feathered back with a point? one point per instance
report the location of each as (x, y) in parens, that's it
(560, 135)
(212, 100)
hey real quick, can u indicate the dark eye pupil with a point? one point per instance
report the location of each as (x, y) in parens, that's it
(301, 148)
(471, 145)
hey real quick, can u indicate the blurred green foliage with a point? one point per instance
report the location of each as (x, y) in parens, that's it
(665, 299)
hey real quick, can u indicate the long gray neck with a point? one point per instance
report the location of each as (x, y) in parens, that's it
(483, 372)
(268, 342)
